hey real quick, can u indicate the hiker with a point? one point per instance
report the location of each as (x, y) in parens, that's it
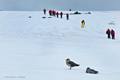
(83, 23)
(44, 11)
(61, 14)
(108, 33)
(57, 14)
(54, 13)
(67, 16)
(50, 12)
(91, 71)
(113, 34)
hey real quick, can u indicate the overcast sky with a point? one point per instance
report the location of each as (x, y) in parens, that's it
(36, 5)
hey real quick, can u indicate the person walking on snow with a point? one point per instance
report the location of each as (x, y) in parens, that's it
(44, 11)
(83, 23)
(67, 16)
(50, 12)
(54, 13)
(108, 33)
(61, 14)
(113, 34)
(57, 14)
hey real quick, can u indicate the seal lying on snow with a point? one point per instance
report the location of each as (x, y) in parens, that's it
(91, 71)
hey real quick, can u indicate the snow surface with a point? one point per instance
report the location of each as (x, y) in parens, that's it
(36, 48)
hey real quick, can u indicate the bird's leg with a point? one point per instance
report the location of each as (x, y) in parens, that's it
(70, 68)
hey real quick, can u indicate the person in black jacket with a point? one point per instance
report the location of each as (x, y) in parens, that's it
(91, 71)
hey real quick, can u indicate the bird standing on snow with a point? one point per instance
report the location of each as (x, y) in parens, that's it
(70, 63)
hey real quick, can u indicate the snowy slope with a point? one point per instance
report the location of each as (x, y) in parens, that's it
(36, 48)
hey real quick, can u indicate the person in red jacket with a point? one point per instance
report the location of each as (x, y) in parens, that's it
(67, 16)
(54, 13)
(113, 34)
(57, 14)
(108, 33)
(44, 11)
(61, 14)
(50, 12)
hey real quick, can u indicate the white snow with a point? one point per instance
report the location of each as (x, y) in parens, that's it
(36, 48)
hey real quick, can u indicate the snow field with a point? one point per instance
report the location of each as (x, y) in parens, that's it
(36, 48)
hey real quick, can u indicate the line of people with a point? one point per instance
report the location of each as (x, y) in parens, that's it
(54, 13)
(112, 33)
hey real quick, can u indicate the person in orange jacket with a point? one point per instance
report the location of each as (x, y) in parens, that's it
(108, 33)
(44, 11)
(67, 16)
(61, 14)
